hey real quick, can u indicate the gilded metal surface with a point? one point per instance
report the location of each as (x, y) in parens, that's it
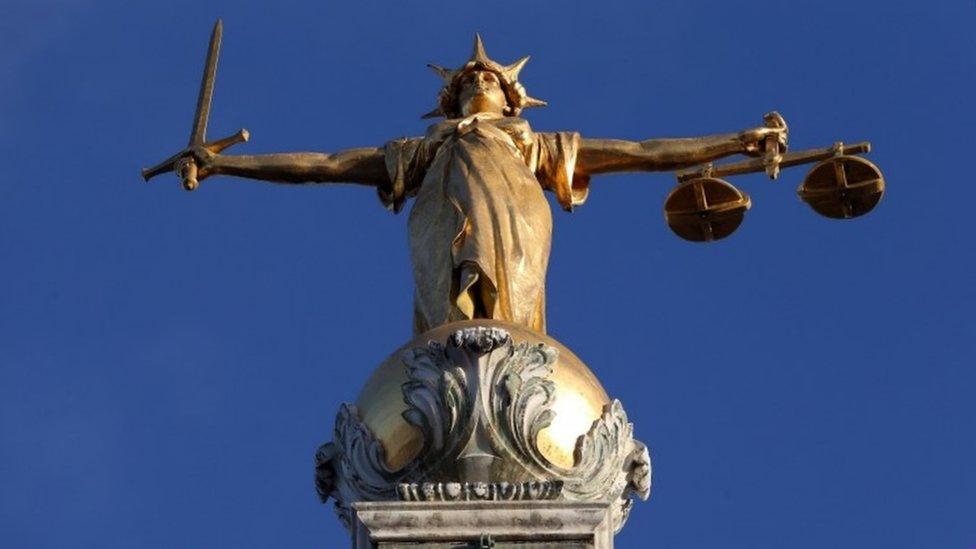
(579, 400)
(184, 163)
(774, 152)
(480, 229)
(797, 158)
(843, 187)
(705, 209)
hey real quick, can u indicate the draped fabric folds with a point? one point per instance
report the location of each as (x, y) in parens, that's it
(481, 228)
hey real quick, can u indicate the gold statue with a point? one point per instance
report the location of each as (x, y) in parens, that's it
(480, 227)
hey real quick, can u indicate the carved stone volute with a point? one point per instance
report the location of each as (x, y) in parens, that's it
(480, 401)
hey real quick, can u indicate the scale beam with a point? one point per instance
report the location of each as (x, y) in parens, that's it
(789, 159)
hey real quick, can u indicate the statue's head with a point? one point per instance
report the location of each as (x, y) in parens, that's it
(482, 85)
(481, 91)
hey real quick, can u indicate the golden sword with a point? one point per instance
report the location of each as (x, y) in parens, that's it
(184, 163)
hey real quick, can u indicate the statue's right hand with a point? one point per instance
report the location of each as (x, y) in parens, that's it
(197, 162)
(205, 160)
(195, 166)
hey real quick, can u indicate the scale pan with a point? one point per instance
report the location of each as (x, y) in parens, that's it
(843, 187)
(705, 209)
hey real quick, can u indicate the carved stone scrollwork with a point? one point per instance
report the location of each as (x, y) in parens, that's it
(352, 467)
(480, 402)
(610, 461)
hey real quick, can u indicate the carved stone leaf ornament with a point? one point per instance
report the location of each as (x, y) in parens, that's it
(480, 402)
(353, 466)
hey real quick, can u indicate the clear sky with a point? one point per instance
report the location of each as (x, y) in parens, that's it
(170, 361)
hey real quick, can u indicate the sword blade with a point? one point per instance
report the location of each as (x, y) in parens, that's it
(199, 133)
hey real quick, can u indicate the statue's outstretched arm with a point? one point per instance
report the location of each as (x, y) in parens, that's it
(366, 166)
(598, 156)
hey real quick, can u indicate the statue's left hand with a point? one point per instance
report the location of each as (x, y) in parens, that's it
(754, 139)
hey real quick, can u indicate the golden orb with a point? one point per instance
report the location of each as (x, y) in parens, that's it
(579, 398)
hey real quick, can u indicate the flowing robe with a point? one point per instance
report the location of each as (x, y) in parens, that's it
(481, 228)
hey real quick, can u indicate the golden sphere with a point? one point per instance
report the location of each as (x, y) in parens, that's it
(579, 398)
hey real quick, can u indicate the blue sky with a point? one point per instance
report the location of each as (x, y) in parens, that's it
(170, 361)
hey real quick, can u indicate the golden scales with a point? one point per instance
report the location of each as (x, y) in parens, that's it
(703, 208)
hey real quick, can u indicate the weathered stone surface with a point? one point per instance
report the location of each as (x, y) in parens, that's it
(522, 525)
(479, 491)
(480, 399)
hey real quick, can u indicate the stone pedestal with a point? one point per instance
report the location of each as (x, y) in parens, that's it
(483, 524)
(483, 434)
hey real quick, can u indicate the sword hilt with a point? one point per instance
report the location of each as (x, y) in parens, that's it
(184, 163)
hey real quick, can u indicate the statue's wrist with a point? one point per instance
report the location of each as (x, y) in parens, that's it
(217, 165)
(742, 141)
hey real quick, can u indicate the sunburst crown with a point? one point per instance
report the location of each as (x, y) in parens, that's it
(447, 99)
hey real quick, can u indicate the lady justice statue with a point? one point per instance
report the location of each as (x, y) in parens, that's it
(482, 425)
(480, 227)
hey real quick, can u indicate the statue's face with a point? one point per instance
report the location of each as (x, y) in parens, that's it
(481, 91)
